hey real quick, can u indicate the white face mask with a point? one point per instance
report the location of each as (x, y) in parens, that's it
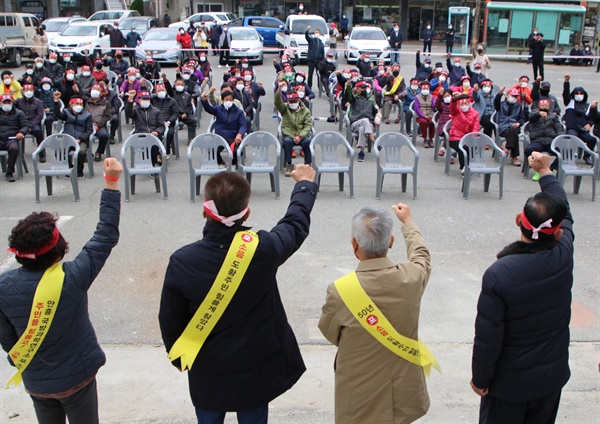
(77, 109)
(368, 91)
(439, 69)
(427, 65)
(466, 84)
(578, 97)
(293, 106)
(70, 77)
(413, 87)
(354, 79)
(227, 104)
(289, 74)
(52, 61)
(477, 72)
(28, 94)
(346, 76)
(7, 108)
(425, 92)
(381, 72)
(456, 64)
(442, 78)
(510, 99)
(39, 65)
(301, 94)
(330, 60)
(486, 90)
(447, 100)
(95, 94)
(161, 94)
(7, 81)
(46, 87)
(182, 32)
(131, 77)
(186, 77)
(284, 89)
(464, 108)
(179, 88)
(524, 84)
(299, 79)
(67, 59)
(428, 27)
(240, 87)
(248, 77)
(29, 72)
(145, 104)
(86, 74)
(203, 59)
(244, 65)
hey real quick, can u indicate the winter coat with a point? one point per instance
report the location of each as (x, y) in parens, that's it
(225, 38)
(521, 347)
(229, 122)
(316, 49)
(116, 38)
(101, 111)
(507, 114)
(427, 34)
(361, 107)
(536, 96)
(33, 109)
(132, 39)
(77, 125)
(450, 37)
(56, 70)
(168, 107)
(145, 121)
(455, 73)
(575, 116)
(422, 72)
(444, 109)
(484, 103)
(126, 86)
(462, 122)
(294, 123)
(251, 355)
(12, 123)
(47, 98)
(119, 67)
(70, 352)
(395, 37)
(544, 129)
(185, 40)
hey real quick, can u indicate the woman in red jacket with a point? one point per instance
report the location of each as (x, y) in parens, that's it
(185, 40)
(465, 120)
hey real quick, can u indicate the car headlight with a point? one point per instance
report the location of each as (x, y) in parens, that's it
(293, 43)
(386, 48)
(53, 44)
(352, 46)
(87, 43)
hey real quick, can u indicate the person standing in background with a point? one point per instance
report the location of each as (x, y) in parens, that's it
(450, 38)
(344, 25)
(427, 37)
(166, 19)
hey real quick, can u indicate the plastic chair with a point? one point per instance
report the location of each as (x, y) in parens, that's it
(175, 137)
(20, 158)
(207, 144)
(351, 136)
(475, 161)
(436, 139)
(566, 147)
(58, 149)
(414, 127)
(211, 126)
(329, 143)
(112, 79)
(449, 150)
(260, 142)
(121, 110)
(526, 141)
(389, 160)
(295, 147)
(140, 157)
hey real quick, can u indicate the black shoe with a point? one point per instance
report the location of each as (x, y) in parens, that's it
(10, 177)
(97, 157)
(331, 119)
(80, 175)
(42, 159)
(112, 140)
(588, 160)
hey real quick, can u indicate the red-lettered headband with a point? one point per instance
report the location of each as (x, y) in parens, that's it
(544, 228)
(211, 210)
(41, 250)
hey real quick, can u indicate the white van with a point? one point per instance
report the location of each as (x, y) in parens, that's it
(16, 32)
(293, 37)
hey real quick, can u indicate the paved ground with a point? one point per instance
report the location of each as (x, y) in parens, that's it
(138, 385)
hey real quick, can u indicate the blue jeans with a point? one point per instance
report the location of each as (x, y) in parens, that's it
(256, 416)
(394, 56)
(288, 144)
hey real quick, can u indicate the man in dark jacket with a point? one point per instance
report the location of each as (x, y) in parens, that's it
(170, 113)
(184, 104)
(61, 378)
(427, 38)
(424, 68)
(146, 119)
(543, 127)
(541, 91)
(510, 118)
(34, 111)
(251, 356)
(315, 54)
(131, 42)
(46, 95)
(455, 70)
(450, 38)
(521, 349)
(56, 70)
(395, 39)
(117, 40)
(537, 47)
(576, 116)
(13, 127)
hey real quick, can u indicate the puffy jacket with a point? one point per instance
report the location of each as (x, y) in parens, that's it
(70, 353)
(101, 111)
(47, 98)
(316, 49)
(56, 70)
(536, 96)
(33, 109)
(85, 84)
(15, 86)
(361, 107)
(507, 114)
(168, 107)
(294, 123)
(575, 116)
(476, 78)
(12, 123)
(229, 122)
(462, 122)
(119, 67)
(484, 103)
(427, 34)
(544, 129)
(422, 72)
(114, 101)
(126, 86)
(145, 121)
(78, 125)
(455, 73)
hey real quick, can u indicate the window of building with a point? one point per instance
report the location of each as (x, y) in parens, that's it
(569, 29)
(497, 35)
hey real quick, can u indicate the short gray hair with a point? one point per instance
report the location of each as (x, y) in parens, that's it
(372, 229)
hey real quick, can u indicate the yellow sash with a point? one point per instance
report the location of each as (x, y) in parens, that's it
(45, 302)
(373, 320)
(395, 86)
(216, 301)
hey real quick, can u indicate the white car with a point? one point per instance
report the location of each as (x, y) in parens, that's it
(370, 40)
(80, 36)
(208, 18)
(112, 16)
(55, 25)
(246, 42)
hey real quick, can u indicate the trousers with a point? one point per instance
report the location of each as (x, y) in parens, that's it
(256, 416)
(537, 411)
(81, 407)
(363, 127)
(288, 145)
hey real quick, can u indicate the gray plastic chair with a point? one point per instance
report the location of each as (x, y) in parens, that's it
(411, 107)
(112, 79)
(260, 143)
(20, 159)
(140, 162)
(389, 160)
(566, 147)
(58, 149)
(526, 140)
(449, 150)
(351, 136)
(207, 144)
(327, 159)
(475, 161)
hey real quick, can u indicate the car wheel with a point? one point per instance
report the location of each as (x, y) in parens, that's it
(17, 59)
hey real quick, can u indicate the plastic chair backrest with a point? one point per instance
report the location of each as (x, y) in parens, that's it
(208, 145)
(112, 78)
(60, 144)
(566, 147)
(211, 126)
(447, 126)
(140, 146)
(392, 144)
(329, 141)
(260, 141)
(476, 143)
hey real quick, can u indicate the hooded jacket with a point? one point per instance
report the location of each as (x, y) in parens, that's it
(544, 129)
(576, 113)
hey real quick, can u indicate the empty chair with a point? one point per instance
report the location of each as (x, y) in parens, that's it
(389, 160)
(475, 161)
(258, 161)
(140, 162)
(59, 147)
(326, 158)
(566, 147)
(207, 145)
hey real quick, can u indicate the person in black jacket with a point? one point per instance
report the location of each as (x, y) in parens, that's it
(521, 349)
(170, 112)
(46, 95)
(537, 47)
(61, 378)
(34, 111)
(13, 127)
(427, 37)
(55, 69)
(450, 38)
(316, 52)
(395, 39)
(576, 117)
(251, 356)
(146, 119)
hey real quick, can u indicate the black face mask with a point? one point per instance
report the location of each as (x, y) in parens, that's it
(544, 110)
(119, 56)
(480, 51)
(395, 73)
(544, 92)
(99, 67)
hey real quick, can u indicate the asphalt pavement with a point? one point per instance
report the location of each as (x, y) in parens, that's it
(138, 384)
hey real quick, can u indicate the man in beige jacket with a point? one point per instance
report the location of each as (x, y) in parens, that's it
(372, 383)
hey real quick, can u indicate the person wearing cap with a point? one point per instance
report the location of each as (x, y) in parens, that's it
(61, 378)
(214, 98)
(98, 73)
(424, 110)
(166, 19)
(149, 70)
(78, 124)
(455, 70)
(394, 85)
(363, 114)
(524, 97)
(224, 46)
(465, 120)
(439, 83)
(130, 83)
(146, 119)
(101, 111)
(450, 32)
(479, 57)
(464, 87)
(117, 39)
(408, 96)
(132, 40)
(365, 66)
(46, 95)
(395, 40)
(85, 81)
(520, 360)
(13, 127)
(509, 118)
(118, 65)
(325, 69)
(424, 68)
(296, 125)
(541, 91)
(577, 116)
(300, 81)
(537, 46)
(476, 75)
(33, 108)
(333, 35)
(253, 333)
(484, 97)
(543, 127)
(379, 83)
(55, 69)
(67, 86)
(316, 52)
(170, 113)
(10, 86)
(39, 72)
(191, 82)
(112, 97)
(27, 76)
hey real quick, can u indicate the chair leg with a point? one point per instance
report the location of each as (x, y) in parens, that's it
(75, 185)
(341, 180)
(414, 178)
(378, 184)
(593, 188)
(198, 179)
(350, 183)
(404, 178)
(501, 182)
(133, 184)
(466, 183)
(276, 178)
(37, 189)
(192, 189)
(249, 177)
(157, 182)
(272, 181)
(163, 178)
(318, 179)
(486, 182)
(49, 185)
(576, 184)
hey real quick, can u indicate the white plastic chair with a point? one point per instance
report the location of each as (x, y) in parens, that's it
(566, 148)
(260, 143)
(327, 159)
(389, 160)
(207, 145)
(140, 158)
(475, 161)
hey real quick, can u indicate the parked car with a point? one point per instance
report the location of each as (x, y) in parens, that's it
(162, 42)
(293, 37)
(35, 7)
(80, 36)
(55, 25)
(208, 18)
(112, 16)
(17, 30)
(367, 39)
(246, 42)
(141, 23)
(266, 26)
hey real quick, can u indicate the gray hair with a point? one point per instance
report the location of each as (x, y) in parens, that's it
(372, 229)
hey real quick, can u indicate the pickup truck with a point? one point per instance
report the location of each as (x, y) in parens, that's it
(267, 27)
(16, 37)
(292, 38)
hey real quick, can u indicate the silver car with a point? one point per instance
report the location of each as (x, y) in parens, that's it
(55, 25)
(246, 42)
(162, 42)
(370, 40)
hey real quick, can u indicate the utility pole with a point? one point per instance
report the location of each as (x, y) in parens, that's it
(477, 19)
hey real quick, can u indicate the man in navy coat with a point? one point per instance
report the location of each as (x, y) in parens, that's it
(521, 349)
(251, 356)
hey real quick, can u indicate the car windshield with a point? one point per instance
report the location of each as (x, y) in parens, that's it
(244, 34)
(137, 23)
(226, 16)
(161, 35)
(358, 34)
(55, 26)
(80, 30)
(299, 26)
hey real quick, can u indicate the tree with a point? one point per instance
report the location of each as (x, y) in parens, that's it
(137, 5)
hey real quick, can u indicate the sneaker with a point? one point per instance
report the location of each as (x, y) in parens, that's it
(220, 66)
(97, 157)
(361, 156)
(515, 161)
(387, 121)
(80, 175)
(430, 143)
(397, 121)
(288, 170)
(293, 153)
(112, 140)
(442, 151)
(536, 177)
(10, 177)
(222, 165)
(426, 143)
(451, 160)
(167, 156)
(331, 119)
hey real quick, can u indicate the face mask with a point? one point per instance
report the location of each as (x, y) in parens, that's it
(86, 74)
(181, 32)
(77, 109)
(544, 110)
(301, 8)
(396, 73)
(29, 72)
(227, 104)
(161, 94)
(299, 79)
(99, 67)
(224, 29)
(479, 51)
(456, 64)
(381, 72)
(477, 72)
(240, 87)
(439, 69)
(578, 97)
(346, 76)
(293, 106)
(511, 100)
(427, 65)
(425, 92)
(486, 90)
(449, 26)
(301, 94)
(535, 32)
(39, 65)
(138, 76)
(288, 74)
(131, 78)
(466, 84)
(145, 104)
(203, 59)
(464, 108)
(28, 94)
(284, 89)
(368, 91)
(447, 100)
(95, 94)
(7, 108)
(396, 29)
(244, 65)
(365, 59)
(524, 84)
(67, 59)
(354, 79)
(186, 77)
(428, 27)
(179, 88)
(52, 61)
(317, 35)
(237, 75)
(248, 77)
(46, 87)
(330, 60)
(70, 77)
(119, 56)
(544, 92)
(414, 87)
(442, 78)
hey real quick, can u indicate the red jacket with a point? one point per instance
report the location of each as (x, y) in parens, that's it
(462, 122)
(525, 95)
(185, 40)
